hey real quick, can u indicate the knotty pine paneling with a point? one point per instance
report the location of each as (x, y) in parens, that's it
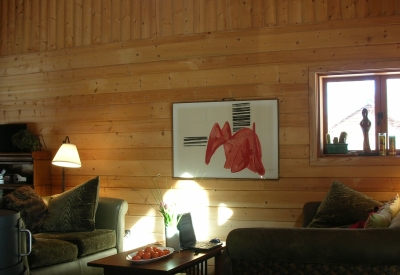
(42, 25)
(106, 73)
(266, 52)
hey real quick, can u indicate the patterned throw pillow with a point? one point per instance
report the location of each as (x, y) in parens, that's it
(73, 210)
(30, 205)
(383, 217)
(380, 219)
(394, 205)
(343, 207)
(395, 223)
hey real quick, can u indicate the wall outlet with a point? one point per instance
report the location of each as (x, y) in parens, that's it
(127, 233)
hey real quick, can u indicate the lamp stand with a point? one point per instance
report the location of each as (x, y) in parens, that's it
(66, 156)
(63, 180)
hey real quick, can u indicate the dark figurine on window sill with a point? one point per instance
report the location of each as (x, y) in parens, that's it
(365, 125)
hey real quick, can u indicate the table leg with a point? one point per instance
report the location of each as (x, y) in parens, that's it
(218, 264)
(198, 269)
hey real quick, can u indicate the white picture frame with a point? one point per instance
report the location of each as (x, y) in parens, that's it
(234, 137)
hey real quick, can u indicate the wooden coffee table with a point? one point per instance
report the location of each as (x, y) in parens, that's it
(185, 261)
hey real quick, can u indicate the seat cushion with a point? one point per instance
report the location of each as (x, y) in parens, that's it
(51, 251)
(87, 242)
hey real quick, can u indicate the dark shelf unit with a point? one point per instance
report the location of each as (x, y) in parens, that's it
(35, 166)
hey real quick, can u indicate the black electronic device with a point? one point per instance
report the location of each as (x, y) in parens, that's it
(215, 240)
(187, 236)
(6, 133)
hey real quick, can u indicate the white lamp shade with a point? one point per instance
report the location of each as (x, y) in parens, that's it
(67, 156)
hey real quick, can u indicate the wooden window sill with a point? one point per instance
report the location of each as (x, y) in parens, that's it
(355, 160)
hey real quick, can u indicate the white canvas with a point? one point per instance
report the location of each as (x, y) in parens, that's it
(193, 123)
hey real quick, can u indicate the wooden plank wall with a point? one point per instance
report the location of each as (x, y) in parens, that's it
(43, 25)
(106, 73)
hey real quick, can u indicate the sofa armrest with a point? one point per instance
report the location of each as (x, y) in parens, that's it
(226, 263)
(110, 214)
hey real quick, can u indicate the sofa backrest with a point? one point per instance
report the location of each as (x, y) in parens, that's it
(309, 211)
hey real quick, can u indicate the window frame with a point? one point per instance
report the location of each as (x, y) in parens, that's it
(316, 96)
(380, 96)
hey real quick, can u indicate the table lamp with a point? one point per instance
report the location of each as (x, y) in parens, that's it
(67, 156)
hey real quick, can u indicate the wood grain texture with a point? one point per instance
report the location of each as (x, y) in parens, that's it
(106, 73)
(78, 27)
(38, 25)
(3, 26)
(42, 172)
(52, 30)
(10, 26)
(96, 23)
(71, 19)
(61, 24)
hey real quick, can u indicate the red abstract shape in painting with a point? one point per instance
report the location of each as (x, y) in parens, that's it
(242, 150)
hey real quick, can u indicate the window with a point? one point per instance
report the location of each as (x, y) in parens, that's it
(337, 103)
(344, 100)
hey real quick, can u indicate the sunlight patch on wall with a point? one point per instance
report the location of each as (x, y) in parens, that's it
(224, 213)
(191, 197)
(188, 196)
(142, 233)
(186, 175)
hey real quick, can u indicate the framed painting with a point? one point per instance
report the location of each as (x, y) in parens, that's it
(226, 139)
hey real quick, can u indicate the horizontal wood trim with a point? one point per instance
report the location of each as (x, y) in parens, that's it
(303, 184)
(291, 92)
(239, 214)
(153, 227)
(196, 198)
(302, 168)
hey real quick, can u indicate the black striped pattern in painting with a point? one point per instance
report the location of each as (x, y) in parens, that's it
(195, 141)
(240, 116)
